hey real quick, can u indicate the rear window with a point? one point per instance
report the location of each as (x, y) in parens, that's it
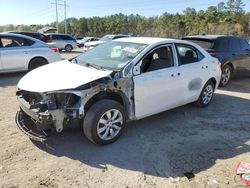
(204, 43)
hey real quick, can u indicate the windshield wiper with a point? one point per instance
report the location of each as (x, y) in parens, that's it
(74, 60)
(94, 66)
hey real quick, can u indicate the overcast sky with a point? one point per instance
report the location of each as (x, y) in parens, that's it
(42, 12)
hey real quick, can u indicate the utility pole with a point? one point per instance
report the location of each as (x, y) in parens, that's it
(65, 14)
(57, 27)
(65, 18)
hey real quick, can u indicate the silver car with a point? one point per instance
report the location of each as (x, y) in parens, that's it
(22, 53)
(62, 41)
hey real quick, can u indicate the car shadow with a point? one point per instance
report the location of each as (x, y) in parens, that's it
(183, 140)
(238, 84)
(10, 79)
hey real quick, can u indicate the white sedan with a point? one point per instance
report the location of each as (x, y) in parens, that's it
(22, 53)
(118, 81)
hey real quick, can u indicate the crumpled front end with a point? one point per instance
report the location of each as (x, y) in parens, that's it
(41, 114)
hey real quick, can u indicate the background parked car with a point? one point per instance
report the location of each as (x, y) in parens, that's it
(21, 53)
(81, 42)
(35, 35)
(62, 41)
(106, 38)
(232, 51)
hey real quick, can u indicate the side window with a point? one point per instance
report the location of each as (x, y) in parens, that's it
(159, 58)
(7, 42)
(235, 44)
(66, 37)
(54, 37)
(188, 54)
(244, 45)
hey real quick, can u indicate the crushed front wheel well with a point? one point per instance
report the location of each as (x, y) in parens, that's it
(104, 95)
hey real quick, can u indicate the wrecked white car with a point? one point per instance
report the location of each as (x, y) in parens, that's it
(119, 81)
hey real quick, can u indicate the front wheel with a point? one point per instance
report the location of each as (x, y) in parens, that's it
(206, 94)
(103, 123)
(226, 75)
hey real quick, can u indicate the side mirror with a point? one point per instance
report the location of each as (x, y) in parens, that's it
(137, 69)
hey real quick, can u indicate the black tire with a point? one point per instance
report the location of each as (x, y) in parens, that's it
(37, 62)
(92, 124)
(226, 75)
(68, 48)
(201, 102)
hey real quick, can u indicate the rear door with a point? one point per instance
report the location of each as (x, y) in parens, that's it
(243, 62)
(194, 70)
(58, 40)
(15, 53)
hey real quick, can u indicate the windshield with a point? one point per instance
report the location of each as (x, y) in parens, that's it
(107, 38)
(111, 55)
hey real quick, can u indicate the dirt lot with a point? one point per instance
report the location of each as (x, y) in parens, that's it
(154, 152)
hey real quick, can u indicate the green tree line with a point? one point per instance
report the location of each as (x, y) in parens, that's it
(226, 18)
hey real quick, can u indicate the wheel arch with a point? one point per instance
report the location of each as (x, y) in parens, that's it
(37, 57)
(230, 64)
(112, 95)
(213, 80)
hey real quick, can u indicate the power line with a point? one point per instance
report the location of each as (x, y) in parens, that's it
(65, 14)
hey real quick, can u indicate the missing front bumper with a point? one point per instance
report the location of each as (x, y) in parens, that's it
(31, 128)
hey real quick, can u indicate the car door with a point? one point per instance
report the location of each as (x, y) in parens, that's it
(156, 88)
(194, 71)
(15, 53)
(1, 46)
(57, 39)
(243, 58)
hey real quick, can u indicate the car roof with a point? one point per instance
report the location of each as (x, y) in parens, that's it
(21, 36)
(28, 32)
(57, 34)
(209, 37)
(148, 40)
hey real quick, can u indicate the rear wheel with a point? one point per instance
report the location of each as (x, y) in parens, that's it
(37, 62)
(226, 75)
(68, 48)
(103, 123)
(206, 95)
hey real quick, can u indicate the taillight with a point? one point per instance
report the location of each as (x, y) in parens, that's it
(54, 49)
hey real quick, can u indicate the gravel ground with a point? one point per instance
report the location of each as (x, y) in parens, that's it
(186, 147)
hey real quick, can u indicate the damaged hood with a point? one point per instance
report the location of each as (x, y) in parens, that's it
(59, 76)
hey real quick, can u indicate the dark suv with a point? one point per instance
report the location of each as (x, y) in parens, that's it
(35, 35)
(233, 52)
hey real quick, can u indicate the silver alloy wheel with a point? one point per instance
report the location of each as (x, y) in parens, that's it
(226, 74)
(109, 125)
(207, 94)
